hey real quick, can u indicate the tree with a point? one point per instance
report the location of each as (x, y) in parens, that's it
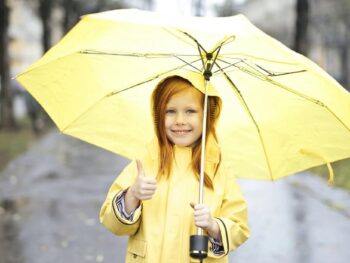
(225, 9)
(329, 28)
(301, 41)
(7, 119)
(198, 7)
(45, 11)
(74, 9)
(68, 21)
(344, 48)
(149, 4)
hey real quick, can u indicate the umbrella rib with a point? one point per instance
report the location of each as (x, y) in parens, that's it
(228, 66)
(128, 88)
(146, 55)
(199, 46)
(225, 41)
(201, 49)
(194, 39)
(189, 64)
(308, 98)
(257, 73)
(276, 83)
(150, 79)
(89, 52)
(304, 96)
(239, 94)
(236, 55)
(178, 36)
(271, 74)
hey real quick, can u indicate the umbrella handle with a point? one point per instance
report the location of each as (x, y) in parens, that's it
(199, 247)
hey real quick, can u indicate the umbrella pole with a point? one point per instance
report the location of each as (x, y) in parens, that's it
(199, 242)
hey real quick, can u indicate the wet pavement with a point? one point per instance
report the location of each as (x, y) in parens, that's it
(50, 199)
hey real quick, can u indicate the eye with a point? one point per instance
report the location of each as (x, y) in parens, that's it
(191, 111)
(170, 111)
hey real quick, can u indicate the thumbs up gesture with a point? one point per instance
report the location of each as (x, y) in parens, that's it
(144, 187)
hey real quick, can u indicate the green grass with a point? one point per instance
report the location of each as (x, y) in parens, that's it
(341, 173)
(15, 142)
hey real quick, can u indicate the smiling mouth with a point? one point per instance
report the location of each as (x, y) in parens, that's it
(181, 132)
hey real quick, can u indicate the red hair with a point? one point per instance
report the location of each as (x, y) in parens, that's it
(160, 98)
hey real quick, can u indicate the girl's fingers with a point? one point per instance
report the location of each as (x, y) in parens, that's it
(148, 187)
(149, 180)
(140, 170)
(147, 192)
(205, 217)
(202, 215)
(147, 197)
(201, 211)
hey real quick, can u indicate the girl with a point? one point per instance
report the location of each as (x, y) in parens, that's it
(153, 199)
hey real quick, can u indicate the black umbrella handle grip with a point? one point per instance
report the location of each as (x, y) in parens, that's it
(198, 246)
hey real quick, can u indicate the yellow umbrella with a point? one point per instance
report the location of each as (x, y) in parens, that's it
(281, 112)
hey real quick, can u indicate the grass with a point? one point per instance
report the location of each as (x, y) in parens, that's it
(15, 142)
(341, 173)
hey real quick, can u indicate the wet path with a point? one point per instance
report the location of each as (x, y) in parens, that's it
(54, 193)
(50, 198)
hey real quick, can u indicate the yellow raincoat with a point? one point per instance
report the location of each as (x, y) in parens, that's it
(162, 226)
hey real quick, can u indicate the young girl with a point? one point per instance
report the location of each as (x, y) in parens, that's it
(153, 199)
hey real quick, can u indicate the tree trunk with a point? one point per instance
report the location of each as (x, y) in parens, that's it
(7, 119)
(226, 9)
(67, 7)
(149, 4)
(301, 43)
(344, 52)
(45, 9)
(198, 7)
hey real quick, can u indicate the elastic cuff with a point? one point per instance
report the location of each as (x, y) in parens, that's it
(224, 235)
(118, 213)
(120, 202)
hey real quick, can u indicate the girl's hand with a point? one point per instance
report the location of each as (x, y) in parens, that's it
(204, 220)
(144, 187)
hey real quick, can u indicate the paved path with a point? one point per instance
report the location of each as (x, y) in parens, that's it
(51, 195)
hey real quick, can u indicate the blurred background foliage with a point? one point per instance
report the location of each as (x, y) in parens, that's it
(318, 29)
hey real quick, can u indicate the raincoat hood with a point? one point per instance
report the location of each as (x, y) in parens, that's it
(196, 79)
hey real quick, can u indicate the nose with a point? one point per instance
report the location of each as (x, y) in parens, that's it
(180, 119)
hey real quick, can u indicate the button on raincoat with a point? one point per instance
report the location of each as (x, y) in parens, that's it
(162, 226)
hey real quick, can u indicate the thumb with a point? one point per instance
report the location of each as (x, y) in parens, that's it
(140, 171)
(192, 204)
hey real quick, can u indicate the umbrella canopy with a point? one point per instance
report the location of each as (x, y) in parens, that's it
(281, 112)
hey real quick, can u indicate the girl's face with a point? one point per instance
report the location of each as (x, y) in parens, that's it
(183, 117)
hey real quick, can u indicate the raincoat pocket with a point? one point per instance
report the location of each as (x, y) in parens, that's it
(136, 251)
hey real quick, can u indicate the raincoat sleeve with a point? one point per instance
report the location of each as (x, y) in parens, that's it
(110, 215)
(232, 219)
